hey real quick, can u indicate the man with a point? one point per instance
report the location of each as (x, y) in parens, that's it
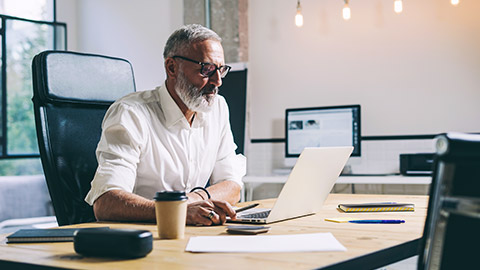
(175, 137)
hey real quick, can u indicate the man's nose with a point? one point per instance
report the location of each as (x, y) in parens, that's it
(216, 78)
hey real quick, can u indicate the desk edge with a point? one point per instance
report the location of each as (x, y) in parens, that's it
(379, 258)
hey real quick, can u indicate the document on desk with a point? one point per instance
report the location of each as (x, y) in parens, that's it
(265, 243)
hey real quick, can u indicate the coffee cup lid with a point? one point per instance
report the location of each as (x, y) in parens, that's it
(170, 196)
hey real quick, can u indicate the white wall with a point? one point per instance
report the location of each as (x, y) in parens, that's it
(67, 13)
(417, 72)
(134, 30)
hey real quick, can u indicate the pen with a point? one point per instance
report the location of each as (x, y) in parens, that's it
(246, 207)
(390, 221)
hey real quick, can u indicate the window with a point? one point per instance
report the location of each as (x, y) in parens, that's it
(27, 28)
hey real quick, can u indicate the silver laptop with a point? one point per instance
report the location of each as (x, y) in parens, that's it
(308, 185)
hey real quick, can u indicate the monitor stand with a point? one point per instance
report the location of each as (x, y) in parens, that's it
(289, 162)
(282, 171)
(287, 167)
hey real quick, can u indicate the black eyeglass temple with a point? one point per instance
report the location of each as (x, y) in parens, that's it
(188, 59)
(225, 67)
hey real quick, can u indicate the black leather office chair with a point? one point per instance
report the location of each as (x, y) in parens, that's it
(451, 235)
(71, 93)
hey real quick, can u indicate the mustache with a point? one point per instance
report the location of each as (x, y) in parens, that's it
(211, 89)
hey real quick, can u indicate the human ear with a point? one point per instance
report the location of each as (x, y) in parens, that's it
(171, 67)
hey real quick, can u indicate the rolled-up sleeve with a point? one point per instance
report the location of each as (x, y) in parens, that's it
(232, 167)
(118, 152)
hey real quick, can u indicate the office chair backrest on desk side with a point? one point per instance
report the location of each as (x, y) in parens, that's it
(452, 230)
(71, 93)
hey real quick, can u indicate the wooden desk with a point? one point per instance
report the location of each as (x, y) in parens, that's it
(359, 239)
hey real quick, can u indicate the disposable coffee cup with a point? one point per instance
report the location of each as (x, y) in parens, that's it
(171, 214)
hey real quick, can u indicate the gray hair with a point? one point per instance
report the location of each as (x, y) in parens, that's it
(182, 39)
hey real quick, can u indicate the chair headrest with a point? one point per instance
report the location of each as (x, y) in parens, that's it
(81, 78)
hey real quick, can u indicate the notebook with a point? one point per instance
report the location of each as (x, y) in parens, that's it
(308, 185)
(46, 235)
(377, 207)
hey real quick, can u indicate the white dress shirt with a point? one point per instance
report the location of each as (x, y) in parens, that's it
(147, 145)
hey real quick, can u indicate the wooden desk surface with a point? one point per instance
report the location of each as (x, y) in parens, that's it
(359, 239)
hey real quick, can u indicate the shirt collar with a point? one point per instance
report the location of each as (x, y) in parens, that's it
(172, 112)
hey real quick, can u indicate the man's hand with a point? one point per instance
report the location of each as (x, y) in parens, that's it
(198, 212)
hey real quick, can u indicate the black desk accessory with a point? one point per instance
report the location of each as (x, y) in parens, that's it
(420, 164)
(118, 243)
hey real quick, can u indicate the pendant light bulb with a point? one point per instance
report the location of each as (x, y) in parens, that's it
(346, 11)
(398, 6)
(455, 2)
(299, 16)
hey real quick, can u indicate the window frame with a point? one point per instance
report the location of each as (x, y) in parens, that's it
(3, 71)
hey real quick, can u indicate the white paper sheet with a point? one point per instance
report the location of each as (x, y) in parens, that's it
(265, 243)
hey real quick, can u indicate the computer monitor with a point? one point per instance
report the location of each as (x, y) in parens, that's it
(320, 127)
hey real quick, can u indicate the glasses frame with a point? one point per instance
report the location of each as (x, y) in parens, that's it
(219, 68)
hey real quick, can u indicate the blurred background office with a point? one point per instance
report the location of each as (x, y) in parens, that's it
(414, 70)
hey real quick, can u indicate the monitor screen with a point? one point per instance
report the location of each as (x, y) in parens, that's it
(322, 126)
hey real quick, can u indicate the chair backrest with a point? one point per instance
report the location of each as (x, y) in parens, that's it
(451, 235)
(71, 93)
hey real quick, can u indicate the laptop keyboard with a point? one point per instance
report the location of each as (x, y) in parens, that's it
(263, 214)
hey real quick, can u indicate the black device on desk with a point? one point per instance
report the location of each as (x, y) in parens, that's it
(416, 164)
(119, 243)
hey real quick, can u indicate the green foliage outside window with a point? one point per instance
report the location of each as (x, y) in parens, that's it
(24, 166)
(24, 39)
(20, 119)
(21, 134)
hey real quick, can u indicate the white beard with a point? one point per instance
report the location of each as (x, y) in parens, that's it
(195, 99)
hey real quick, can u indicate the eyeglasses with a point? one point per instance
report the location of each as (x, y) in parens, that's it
(208, 69)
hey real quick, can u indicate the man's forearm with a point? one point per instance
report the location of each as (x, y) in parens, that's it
(227, 191)
(123, 206)
(120, 205)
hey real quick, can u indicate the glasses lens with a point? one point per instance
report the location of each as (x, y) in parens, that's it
(208, 69)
